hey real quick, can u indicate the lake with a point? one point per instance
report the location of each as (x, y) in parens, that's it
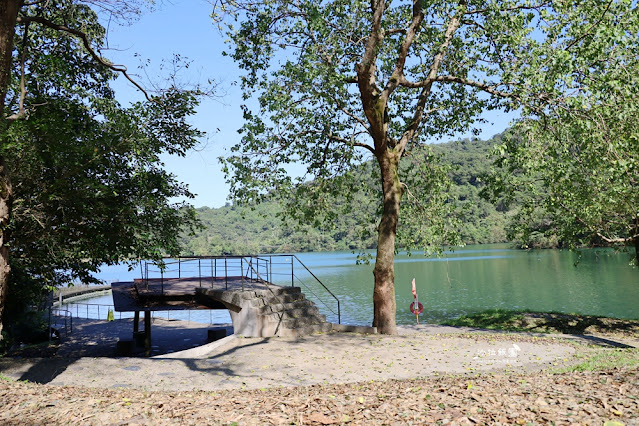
(466, 280)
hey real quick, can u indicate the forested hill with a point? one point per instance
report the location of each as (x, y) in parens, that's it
(234, 230)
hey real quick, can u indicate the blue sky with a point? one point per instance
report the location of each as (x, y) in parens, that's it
(184, 27)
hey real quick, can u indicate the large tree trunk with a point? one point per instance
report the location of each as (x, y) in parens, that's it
(8, 15)
(384, 304)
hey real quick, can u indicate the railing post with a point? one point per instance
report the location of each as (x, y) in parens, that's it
(242, 272)
(162, 280)
(292, 273)
(226, 273)
(179, 267)
(199, 269)
(212, 273)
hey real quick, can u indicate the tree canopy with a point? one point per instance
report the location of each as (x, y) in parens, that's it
(87, 184)
(341, 81)
(577, 170)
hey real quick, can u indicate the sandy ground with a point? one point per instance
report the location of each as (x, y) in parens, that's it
(254, 363)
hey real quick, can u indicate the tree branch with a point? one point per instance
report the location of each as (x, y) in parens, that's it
(509, 9)
(627, 240)
(452, 27)
(398, 73)
(366, 68)
(23, 87)
(594, 24)
(87, 45)
(477, 84)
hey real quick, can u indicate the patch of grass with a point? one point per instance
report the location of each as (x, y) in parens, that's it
(547, 322)
(604, 359)
(5, 378)
(493, 319)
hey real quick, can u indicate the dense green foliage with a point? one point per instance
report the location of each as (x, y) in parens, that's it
(576, 171)
(237, 230)
(88, 184)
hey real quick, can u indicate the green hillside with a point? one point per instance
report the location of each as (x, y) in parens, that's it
(235, 230)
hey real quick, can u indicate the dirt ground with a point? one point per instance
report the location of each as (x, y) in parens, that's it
(425, 374)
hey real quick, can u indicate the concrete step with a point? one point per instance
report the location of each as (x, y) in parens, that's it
(306, 330)
(303, 322)
(294, 322)
(283, 307)
(283, 298)
(302, 312)
(271, 292)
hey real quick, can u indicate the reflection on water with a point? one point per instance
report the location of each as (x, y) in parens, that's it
(471, 279)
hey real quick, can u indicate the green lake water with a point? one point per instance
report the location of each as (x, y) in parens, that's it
(475, 278)
(467, 280)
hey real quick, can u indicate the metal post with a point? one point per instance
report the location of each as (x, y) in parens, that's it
(226, 274)
(147, 333)
(199, 268)
(292, 273)
(162, 280)
(179, 268)
(242, 271)
(212, 273)
(136, 321)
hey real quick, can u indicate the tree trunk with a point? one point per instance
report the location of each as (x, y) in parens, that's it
(384, 304)
(636, 240)
(8, 15)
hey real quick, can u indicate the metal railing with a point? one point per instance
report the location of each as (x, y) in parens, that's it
(276, 269)
(83, 310)
(58, 317)
(100, 311)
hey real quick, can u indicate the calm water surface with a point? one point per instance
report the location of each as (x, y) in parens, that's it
(466, 280)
